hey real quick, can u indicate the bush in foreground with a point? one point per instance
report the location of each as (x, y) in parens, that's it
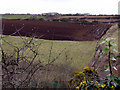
(90, 79)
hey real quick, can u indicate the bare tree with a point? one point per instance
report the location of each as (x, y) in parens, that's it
(23, 62)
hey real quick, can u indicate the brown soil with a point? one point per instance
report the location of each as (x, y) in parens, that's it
(55, 30)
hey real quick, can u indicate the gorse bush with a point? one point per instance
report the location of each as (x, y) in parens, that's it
(89, 78)
(83, 79)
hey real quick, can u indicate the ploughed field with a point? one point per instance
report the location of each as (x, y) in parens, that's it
(54, 30)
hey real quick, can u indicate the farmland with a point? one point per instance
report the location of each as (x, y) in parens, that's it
(70, 46)
(66, 17)
(81, 37)
(17, 16)
(55, 30)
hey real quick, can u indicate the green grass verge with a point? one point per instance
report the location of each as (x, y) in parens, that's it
(76, 54)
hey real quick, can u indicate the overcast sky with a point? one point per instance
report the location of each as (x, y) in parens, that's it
(60, 6)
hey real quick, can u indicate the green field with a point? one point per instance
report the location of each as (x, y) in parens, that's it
(21, 16)
(76, 54)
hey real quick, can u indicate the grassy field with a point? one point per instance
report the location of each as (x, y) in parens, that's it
(21, 16)
(76, 54)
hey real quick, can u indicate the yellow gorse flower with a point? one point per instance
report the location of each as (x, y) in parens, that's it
(103, 86)
(76, 72)
(88, 68)
(83, 82)
(81, 73)
(92, 68)
(96, 82)
(113, 88)
(77, 87)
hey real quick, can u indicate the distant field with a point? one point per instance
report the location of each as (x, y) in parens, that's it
(107, 19)
(85, 16)
(20, 16)
(77, 53)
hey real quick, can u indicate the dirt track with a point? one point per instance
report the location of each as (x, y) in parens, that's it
(55, 30)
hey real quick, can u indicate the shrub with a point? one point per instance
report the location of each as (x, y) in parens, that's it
(89, 78)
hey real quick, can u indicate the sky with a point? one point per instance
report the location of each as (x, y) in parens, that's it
(60, 6)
